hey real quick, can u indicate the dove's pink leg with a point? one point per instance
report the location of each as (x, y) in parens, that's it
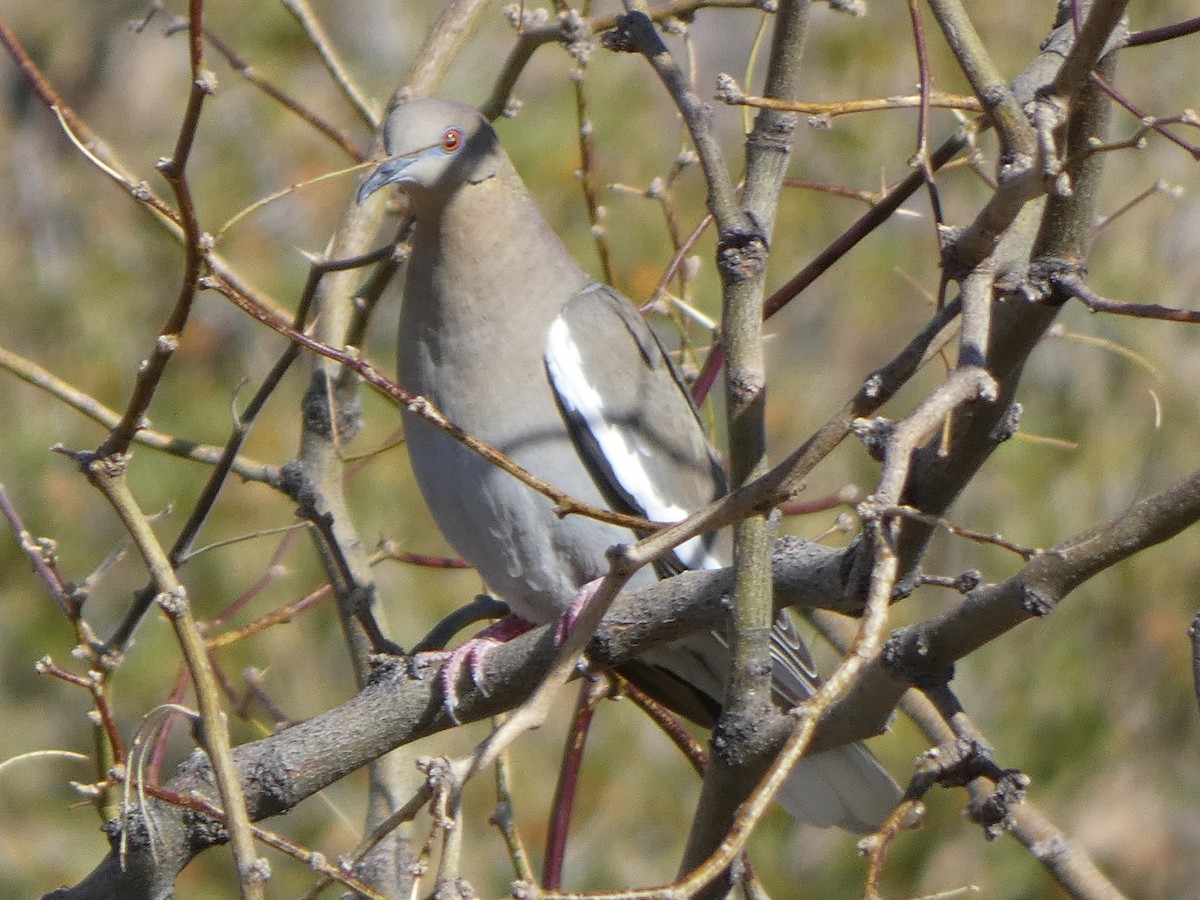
(470, 655)
(567, 620)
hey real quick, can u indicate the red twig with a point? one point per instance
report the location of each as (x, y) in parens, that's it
(591, 692)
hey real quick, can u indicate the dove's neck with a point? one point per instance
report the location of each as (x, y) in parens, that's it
(486, 278)
(489, 245)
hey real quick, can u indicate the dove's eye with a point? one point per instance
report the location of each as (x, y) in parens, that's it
(451, 140)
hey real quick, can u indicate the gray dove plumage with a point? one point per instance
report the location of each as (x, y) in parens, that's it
(507, 335)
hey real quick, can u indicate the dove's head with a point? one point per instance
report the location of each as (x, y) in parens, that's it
(435, 146)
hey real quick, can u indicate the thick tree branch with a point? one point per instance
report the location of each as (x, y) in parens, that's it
(926, 653)
(1064, 230)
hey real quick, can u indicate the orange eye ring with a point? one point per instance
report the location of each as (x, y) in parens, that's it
(451, 140)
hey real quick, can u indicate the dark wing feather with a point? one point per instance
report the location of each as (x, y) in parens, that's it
(633, 423)
(631, 417)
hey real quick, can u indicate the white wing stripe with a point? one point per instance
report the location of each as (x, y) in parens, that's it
(622, 448)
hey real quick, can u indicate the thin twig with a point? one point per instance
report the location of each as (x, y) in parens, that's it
(272, 90)
(669, 724)
(1005, 113)
(636, 32)
(588, 176)
(310, 859)
(504, 819)
(591, 692)
(40, 553)
(406, 813)
(1156, 123)
(419, 406)
(93, 684)
(151, 371)
(31, 373)
(307, 20)
(283, 614)
(728, 92)
(565, 31)
(1173, 191)
(994, 540)
(1091, 41)
(108, 476)
(842, 245)
(1194, 634)
(1072, 284)
(1150, 36)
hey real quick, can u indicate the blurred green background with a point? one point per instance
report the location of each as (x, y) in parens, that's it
(1095, 703)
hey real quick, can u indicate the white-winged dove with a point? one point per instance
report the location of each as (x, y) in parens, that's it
(506, 334)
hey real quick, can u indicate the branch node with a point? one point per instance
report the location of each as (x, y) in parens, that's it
(958, 763)
(875, 434)
(525, 17)
(206, 82)
(968, 581)
(111, 465)
(1036, 603)
(618, 40)
(908, 655)
(873, 387)
(173, 602)
(1007, 425)
(728, 90)
(746, 386)
(995, 813)
(741, 255)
